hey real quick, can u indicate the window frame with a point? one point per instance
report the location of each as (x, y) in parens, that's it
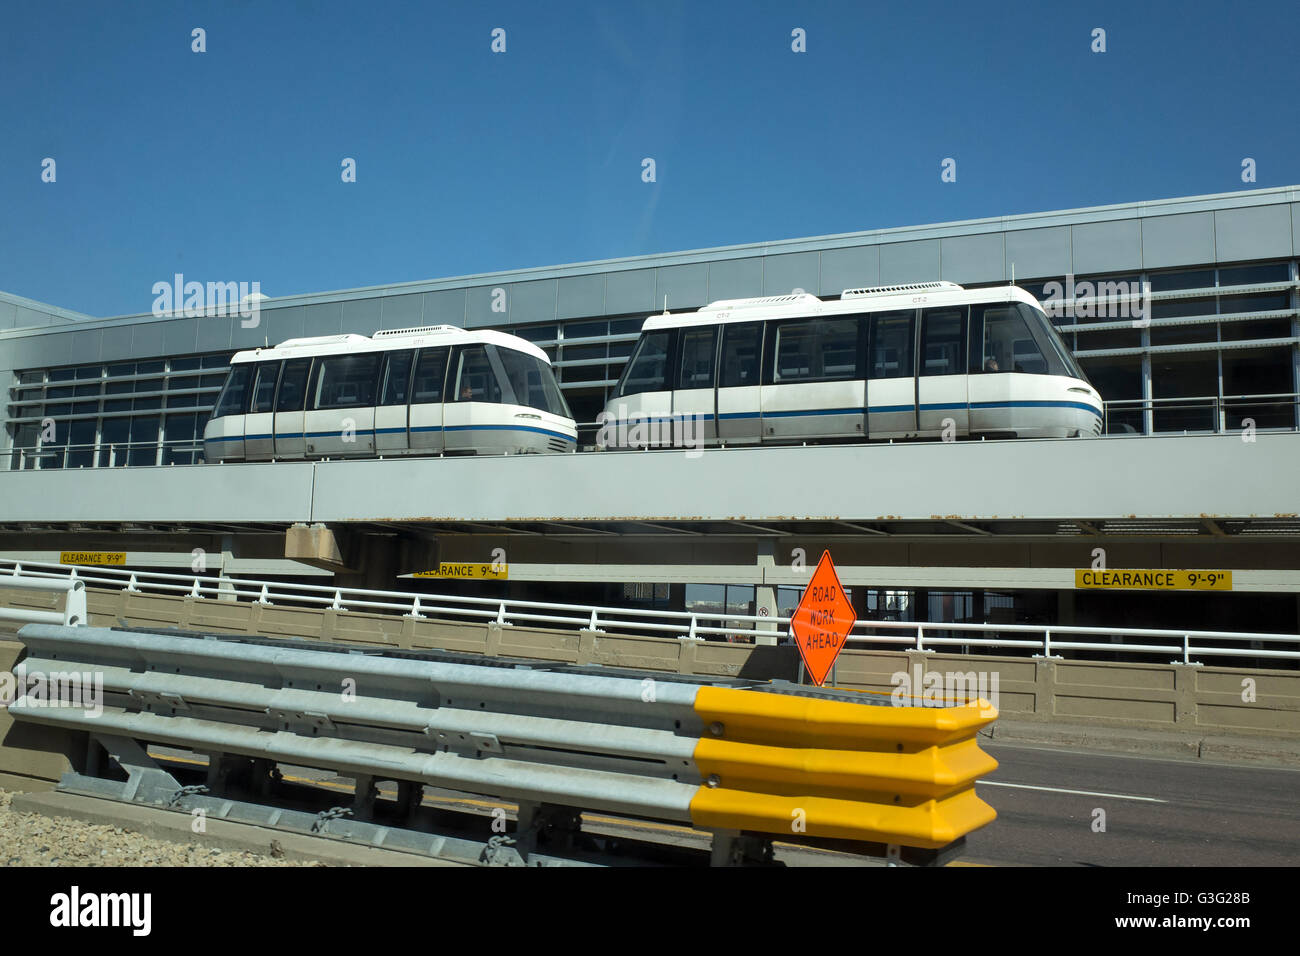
(958, 367)
(275, 387)
(728, 330)
(447, 351)
(679, 379)
(318, 370)
(907, 368)
(770, 354)
(306, 385)
(385, 365)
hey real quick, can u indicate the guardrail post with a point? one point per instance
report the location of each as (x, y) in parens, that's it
(501, 614)
(75, 613)
(691, 634)
(194, 591)
(1047, 646)
(593, 625)
(131, 584)
(338, 602)
(920, 633)
(415, 607)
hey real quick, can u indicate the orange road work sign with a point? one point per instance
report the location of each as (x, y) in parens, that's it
(822, 621)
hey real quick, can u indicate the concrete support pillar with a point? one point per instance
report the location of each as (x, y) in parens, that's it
(1185, 694)
(765, 594)
(1148, 410)
(587, 645)
(1044, 687)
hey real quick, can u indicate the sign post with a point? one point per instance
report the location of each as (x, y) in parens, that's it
(822, 621)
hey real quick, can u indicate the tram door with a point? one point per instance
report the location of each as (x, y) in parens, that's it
(259, 437)
(393, 407)
(289, 399)
(473, 398)
(812, 388)
(426, 414)
(340, 417)
(694, 415)
(890, 372)
(739, 367)
(941, 385)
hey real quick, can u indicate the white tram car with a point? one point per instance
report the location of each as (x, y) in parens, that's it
(888, 362)
(424, 391)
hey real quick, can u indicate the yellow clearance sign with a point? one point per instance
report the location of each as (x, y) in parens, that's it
(92, 557)
(477, 572)
(1145, 580)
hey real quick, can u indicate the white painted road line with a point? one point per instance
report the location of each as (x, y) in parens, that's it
(1082, 793)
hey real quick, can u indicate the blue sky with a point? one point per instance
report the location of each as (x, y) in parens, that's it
(225, 165)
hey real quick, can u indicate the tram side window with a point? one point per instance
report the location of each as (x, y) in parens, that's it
(234, 396)
(647, 370)
(943, 341)
(264, 390)
(475, 379)
(347, 381)
(430, 370)
(837, 345)
(891, 345)
(397, 378)
(697, 357)
(819, 350)
(293, 385)
(740, 348)
(1008, 344)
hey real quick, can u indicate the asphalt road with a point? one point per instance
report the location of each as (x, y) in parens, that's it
(1158, 811)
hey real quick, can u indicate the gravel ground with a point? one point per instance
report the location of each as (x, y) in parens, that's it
(31, 839)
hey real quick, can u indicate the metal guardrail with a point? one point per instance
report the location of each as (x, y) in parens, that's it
(112, 454)
(775, 760)
(74, 611)
(1207, 414)
(1185, 646)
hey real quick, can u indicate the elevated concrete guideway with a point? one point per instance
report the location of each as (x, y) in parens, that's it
(1218, 485)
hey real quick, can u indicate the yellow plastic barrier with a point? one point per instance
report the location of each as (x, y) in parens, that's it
(822, 768)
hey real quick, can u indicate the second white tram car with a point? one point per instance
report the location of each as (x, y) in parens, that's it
(426, 391)
(890, 362)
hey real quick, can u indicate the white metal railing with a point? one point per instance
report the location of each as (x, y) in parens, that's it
(1207, 413)
(72, 587)
(1184, 645)
(102, 455)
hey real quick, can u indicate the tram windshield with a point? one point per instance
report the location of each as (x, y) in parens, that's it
(234, 394)
(1019, 338)
(491, 373)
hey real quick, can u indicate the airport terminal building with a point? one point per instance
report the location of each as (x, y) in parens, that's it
(1215, 347)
